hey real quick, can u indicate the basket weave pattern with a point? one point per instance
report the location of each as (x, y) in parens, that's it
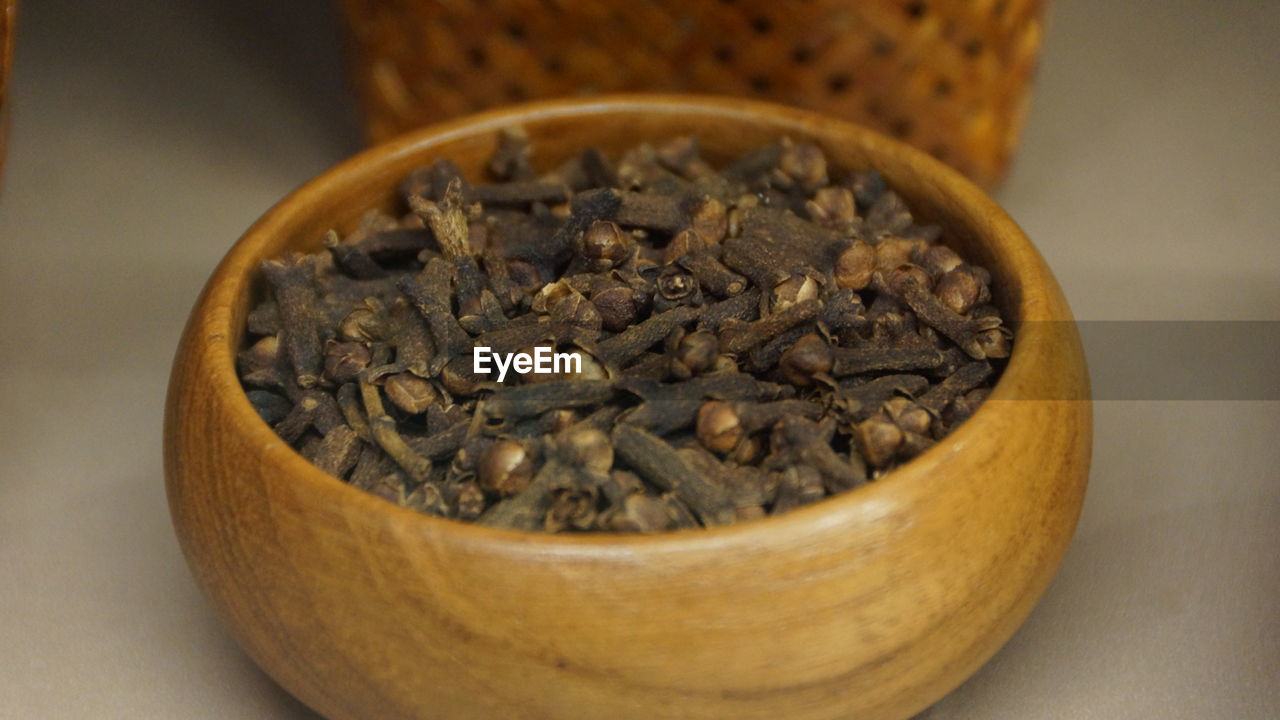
(950, 76)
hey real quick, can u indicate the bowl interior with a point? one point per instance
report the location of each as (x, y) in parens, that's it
(973, 224)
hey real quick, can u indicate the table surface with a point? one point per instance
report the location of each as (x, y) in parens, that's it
(146, 136)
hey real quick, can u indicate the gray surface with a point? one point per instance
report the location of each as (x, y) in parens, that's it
(147, 136)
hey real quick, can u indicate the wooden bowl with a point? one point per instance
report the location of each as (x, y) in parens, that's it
(872, 604)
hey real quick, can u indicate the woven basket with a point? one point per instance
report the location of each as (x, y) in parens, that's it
(950, 76)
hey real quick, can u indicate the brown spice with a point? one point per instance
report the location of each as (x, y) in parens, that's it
(743, 342)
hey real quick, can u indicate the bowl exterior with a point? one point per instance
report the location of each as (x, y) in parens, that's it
(872, 604)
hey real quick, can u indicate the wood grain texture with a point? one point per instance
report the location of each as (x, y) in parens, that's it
(872, 604)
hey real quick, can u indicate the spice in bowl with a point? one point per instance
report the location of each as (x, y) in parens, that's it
(636, 344)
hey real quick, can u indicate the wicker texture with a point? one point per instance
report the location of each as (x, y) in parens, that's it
(950, 76)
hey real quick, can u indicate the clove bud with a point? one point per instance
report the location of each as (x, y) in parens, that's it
(506, 468)
(808, 357)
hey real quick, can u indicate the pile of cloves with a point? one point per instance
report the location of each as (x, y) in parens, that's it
(743, 341)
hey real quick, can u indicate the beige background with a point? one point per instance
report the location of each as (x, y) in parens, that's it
(147, 135)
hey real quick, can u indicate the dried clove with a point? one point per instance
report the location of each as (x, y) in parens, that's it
(292, 279)
(808, 357)
(314, 409)
(344, 361)
(858, 399)
(272, 408)
(722, 425)
(665, 408)
(429, 293)
(964, 332)
(797, 441)
(410, 393)
(604, 245)
(878, 440)
(862, 360)
(798, 485)
(693, 354)
(627, 345)
(660, 464)
(351, 258)
(638, 513)
(523, 401)
(440, 445)
(712, 274)
(527, 510)
(383, 429)
(338, 452)
(855, 265)
(511, 159)
(774, 243)
(968, 377)
(739, 337)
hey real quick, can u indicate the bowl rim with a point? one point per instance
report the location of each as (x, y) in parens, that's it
(234, 273)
